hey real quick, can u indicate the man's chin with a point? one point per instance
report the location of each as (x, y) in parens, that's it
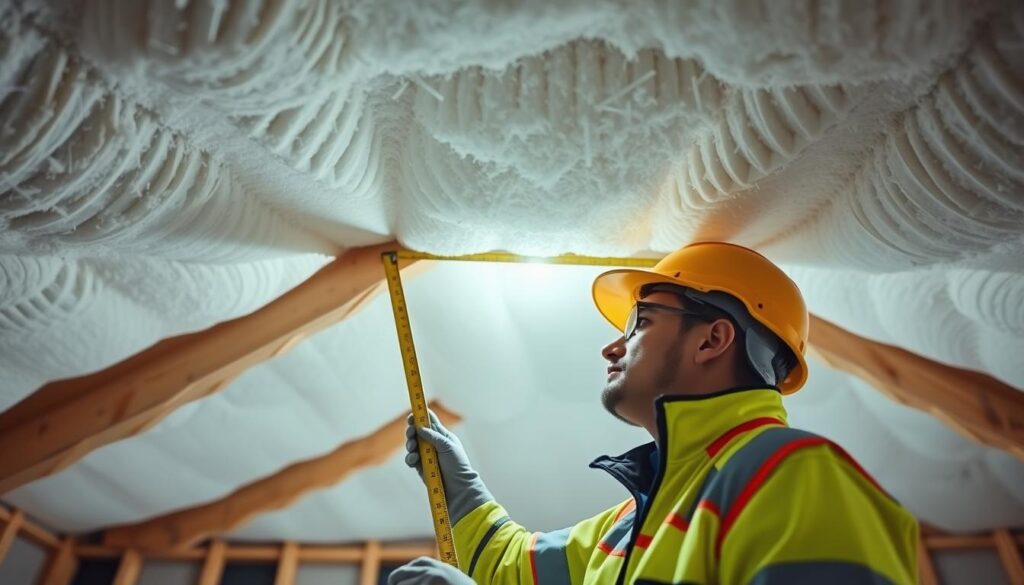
(611, 398)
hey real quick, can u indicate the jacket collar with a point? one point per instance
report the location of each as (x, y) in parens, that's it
(707, 423)
(693, 429)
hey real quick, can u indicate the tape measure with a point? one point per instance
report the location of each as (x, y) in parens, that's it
(428, 456)
(569, 259)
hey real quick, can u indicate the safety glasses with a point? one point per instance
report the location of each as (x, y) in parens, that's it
(631, 321)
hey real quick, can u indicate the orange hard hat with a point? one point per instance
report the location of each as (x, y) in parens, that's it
(710, 269)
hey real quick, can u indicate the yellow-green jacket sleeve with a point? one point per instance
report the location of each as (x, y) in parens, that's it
(494, 550)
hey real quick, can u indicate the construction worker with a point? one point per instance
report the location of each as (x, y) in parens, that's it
(713, 337)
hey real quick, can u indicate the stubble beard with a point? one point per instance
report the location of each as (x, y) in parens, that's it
(614, 393)
(611, 397)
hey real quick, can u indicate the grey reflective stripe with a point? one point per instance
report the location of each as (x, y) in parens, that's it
(815, 572)
(549, 558)
(704, 489)
(653, 582)
(617, 537)
(741, 467)
(483, 542)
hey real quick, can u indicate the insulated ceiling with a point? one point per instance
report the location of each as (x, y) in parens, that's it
(165, 166)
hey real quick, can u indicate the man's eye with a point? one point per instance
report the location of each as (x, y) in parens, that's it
(641, 320)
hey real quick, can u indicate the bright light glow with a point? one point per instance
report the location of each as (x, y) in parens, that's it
(538, 272)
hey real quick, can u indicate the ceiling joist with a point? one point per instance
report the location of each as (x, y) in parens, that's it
(65, 420)
(975, 404)
(186, 528)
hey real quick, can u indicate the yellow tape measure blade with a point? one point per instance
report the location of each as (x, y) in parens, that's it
(418, 404)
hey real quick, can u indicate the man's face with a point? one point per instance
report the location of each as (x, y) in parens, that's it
(651, 363)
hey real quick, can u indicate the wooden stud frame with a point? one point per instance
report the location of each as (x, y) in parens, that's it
(215, 554)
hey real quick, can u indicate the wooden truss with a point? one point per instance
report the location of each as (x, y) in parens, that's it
(976, 405)
(65, 553)
(188, 527)
(66, 420)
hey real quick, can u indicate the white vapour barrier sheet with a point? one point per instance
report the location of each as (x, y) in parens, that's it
(166, 166)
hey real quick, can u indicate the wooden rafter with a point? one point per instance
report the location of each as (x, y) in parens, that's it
(184, 528)
(213, 563)
(129, 569)
(1009, 555)
(925, 568)
(369, 571)
(307, 553)
(65, 420)
(975, 404)
(288, 565)
(61, 567)
(9, 531)
(216, 553)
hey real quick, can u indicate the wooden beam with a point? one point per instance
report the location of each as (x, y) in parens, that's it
(369, 569)
(1010, 556)
(40, 535)
(185, 528)
(129, 569)
(10, 532)
(973, 403)
(62, 422)
(61, 566)
(288, 564)
(343, 554)
(952, 542)
(331, 554)
(213, 566)
(405, 553)
(925, 568)
(31, 530)
(96, 551)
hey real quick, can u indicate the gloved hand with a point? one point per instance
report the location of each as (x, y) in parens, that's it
(463, 488)
(428, 571)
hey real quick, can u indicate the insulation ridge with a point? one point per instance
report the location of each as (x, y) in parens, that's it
(251, 54)
(83, 169)
(946, 181)
(42, 291)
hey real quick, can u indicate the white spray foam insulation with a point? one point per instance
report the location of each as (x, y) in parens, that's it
(165, 166)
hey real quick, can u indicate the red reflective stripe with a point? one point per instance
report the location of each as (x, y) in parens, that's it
(533, 556)
(675, 519)
(719, 443)
(759, 478)
(678, 521)
(628, 507)
(643, 541)
(608, 550)
(710, 507)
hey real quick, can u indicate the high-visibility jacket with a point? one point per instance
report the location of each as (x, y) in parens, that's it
(734, 496)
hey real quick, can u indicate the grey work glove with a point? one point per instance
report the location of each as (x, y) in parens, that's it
(463, 488)
(428, 571)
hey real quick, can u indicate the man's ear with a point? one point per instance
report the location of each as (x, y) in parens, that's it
(717, 339)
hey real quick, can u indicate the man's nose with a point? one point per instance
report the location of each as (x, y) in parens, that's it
(614, 351)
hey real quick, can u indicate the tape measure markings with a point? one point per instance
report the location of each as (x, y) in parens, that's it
(567, 259)
(417, 400)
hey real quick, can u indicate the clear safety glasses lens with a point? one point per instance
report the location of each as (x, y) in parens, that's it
(630, 328)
